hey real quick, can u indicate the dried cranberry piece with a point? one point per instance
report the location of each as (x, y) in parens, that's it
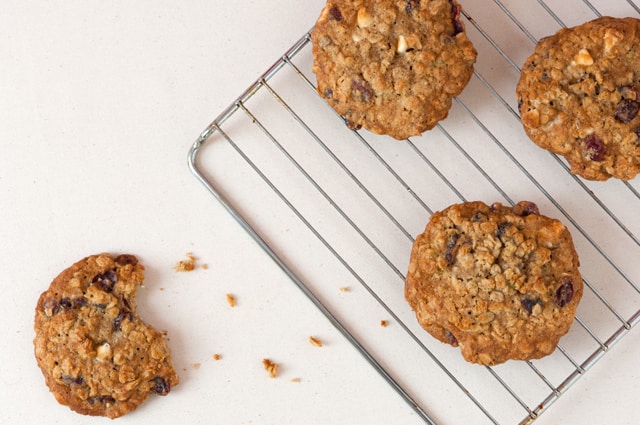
(353, 126)
(411, 5)
(102, 399)
(451, 339)
(451, 249)
(80, 302)
(66, 304)
(564, 293)
(335, 13)
(530, 209)
(124, 314)
(627, 110)
(106, 280)
(51, 304)
(502, 229)
(455, 15)
(125, 259)
(526, 208)
(160, 386)
(529, 303)
(56, 306)
(72, 380)
(479, 216)
(363, 89)
(594, 148)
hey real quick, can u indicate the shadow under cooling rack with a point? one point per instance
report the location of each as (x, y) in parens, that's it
(338, 209)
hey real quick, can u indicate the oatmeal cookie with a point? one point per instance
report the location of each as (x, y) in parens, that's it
(499, 282)
(579, 97)
(391, 66)
(96, 354)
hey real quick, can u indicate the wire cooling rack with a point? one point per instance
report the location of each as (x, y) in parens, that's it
(338, 211)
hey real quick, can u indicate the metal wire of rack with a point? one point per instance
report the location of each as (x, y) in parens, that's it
(335, 207)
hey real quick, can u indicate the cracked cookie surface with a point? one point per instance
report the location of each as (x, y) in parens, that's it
(499, 282)
(391, 66)
(97, 355)
(579, 97)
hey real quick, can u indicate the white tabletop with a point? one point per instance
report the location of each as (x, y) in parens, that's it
(99, 105)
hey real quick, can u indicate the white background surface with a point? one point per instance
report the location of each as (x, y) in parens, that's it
(99, 104)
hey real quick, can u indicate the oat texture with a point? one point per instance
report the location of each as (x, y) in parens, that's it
(96, 354)
(501, 283)
(391, 66)
(579, 97)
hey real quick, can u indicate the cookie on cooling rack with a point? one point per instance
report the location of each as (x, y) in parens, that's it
(579, 97)
(499, 282)
(96, 354)
(391, 66)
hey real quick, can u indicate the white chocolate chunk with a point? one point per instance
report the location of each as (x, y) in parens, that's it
(584, 58)
(364, 18)
(402, 44)
(103, 352)
(611, 38)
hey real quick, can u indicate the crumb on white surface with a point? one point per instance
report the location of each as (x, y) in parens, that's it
(315, 341)
(270, 367)
(186, 265)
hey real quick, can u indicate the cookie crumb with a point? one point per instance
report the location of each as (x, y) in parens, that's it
(205, 266)
(296, 379)
(196, 366)
(217, 357)
(231, 300)
(384, 323)
(186, 265)
(345, 289)
(270, 367)
(315, 341)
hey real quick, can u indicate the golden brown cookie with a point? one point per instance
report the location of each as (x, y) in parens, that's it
(499, 282)
(96, 354)
(579, 97)
(391, 66)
